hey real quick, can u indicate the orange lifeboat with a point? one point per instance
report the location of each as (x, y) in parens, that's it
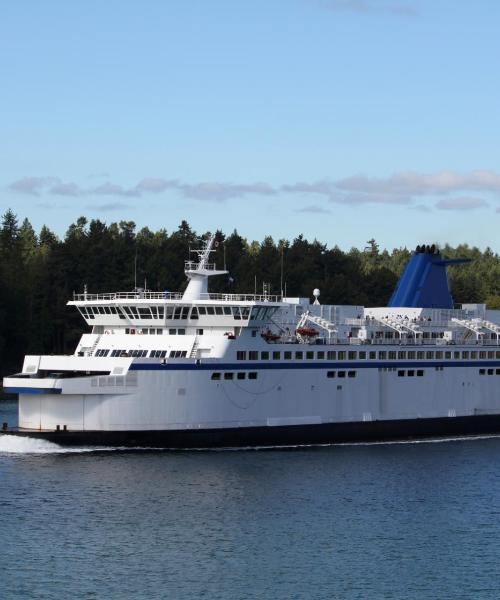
(269, 336)
(307, 331)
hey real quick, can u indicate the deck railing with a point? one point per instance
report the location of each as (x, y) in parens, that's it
(173, 296)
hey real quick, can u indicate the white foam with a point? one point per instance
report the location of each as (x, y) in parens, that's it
(14, 444)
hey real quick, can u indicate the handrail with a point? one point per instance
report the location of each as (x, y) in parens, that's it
(174, 296)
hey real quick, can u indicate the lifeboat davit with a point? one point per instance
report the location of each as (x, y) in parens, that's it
(307, 331)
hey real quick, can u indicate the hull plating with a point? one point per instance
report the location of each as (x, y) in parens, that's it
(297, 435)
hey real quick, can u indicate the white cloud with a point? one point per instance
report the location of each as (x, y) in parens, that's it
(112, 189)
(461, 203)
(419, 184)
(330, 190)
(65, 189)
(446, 190)
(314, 209)
(32, 185)
(109, 206)
(218, 192)
(156, 185)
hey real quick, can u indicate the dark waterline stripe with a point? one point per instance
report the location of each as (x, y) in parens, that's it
(31, 390)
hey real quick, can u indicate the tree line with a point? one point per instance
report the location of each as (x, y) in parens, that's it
(39, 273)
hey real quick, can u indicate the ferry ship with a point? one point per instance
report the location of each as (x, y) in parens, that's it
(197, 370)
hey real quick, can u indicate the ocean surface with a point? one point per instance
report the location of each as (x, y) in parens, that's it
(399, 520)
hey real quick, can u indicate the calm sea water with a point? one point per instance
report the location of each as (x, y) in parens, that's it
(416, 520)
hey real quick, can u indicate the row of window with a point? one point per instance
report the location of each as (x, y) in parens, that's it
(143, 353)
(177, 312)
(340, 374)
(155, 331)
(368, 355)
(229, 375)
(89, 312)
(410, 373)
(489, 371)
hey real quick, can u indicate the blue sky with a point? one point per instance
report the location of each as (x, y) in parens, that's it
(340, 119)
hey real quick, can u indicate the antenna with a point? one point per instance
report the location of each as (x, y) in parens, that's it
(281, 274)
(135, 269)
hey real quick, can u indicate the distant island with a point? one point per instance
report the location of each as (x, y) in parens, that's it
(40, 272)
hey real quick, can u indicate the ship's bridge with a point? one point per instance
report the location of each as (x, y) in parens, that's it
(156, 309)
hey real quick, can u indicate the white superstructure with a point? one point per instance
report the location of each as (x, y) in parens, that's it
(200, 369)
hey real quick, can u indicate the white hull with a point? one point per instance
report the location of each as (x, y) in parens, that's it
(185, 397)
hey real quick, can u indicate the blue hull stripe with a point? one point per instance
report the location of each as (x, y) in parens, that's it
(31, 390)
(255, 366)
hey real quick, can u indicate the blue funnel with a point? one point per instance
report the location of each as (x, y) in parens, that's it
(424, 282)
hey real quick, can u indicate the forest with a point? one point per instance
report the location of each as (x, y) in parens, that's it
(40, 272)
